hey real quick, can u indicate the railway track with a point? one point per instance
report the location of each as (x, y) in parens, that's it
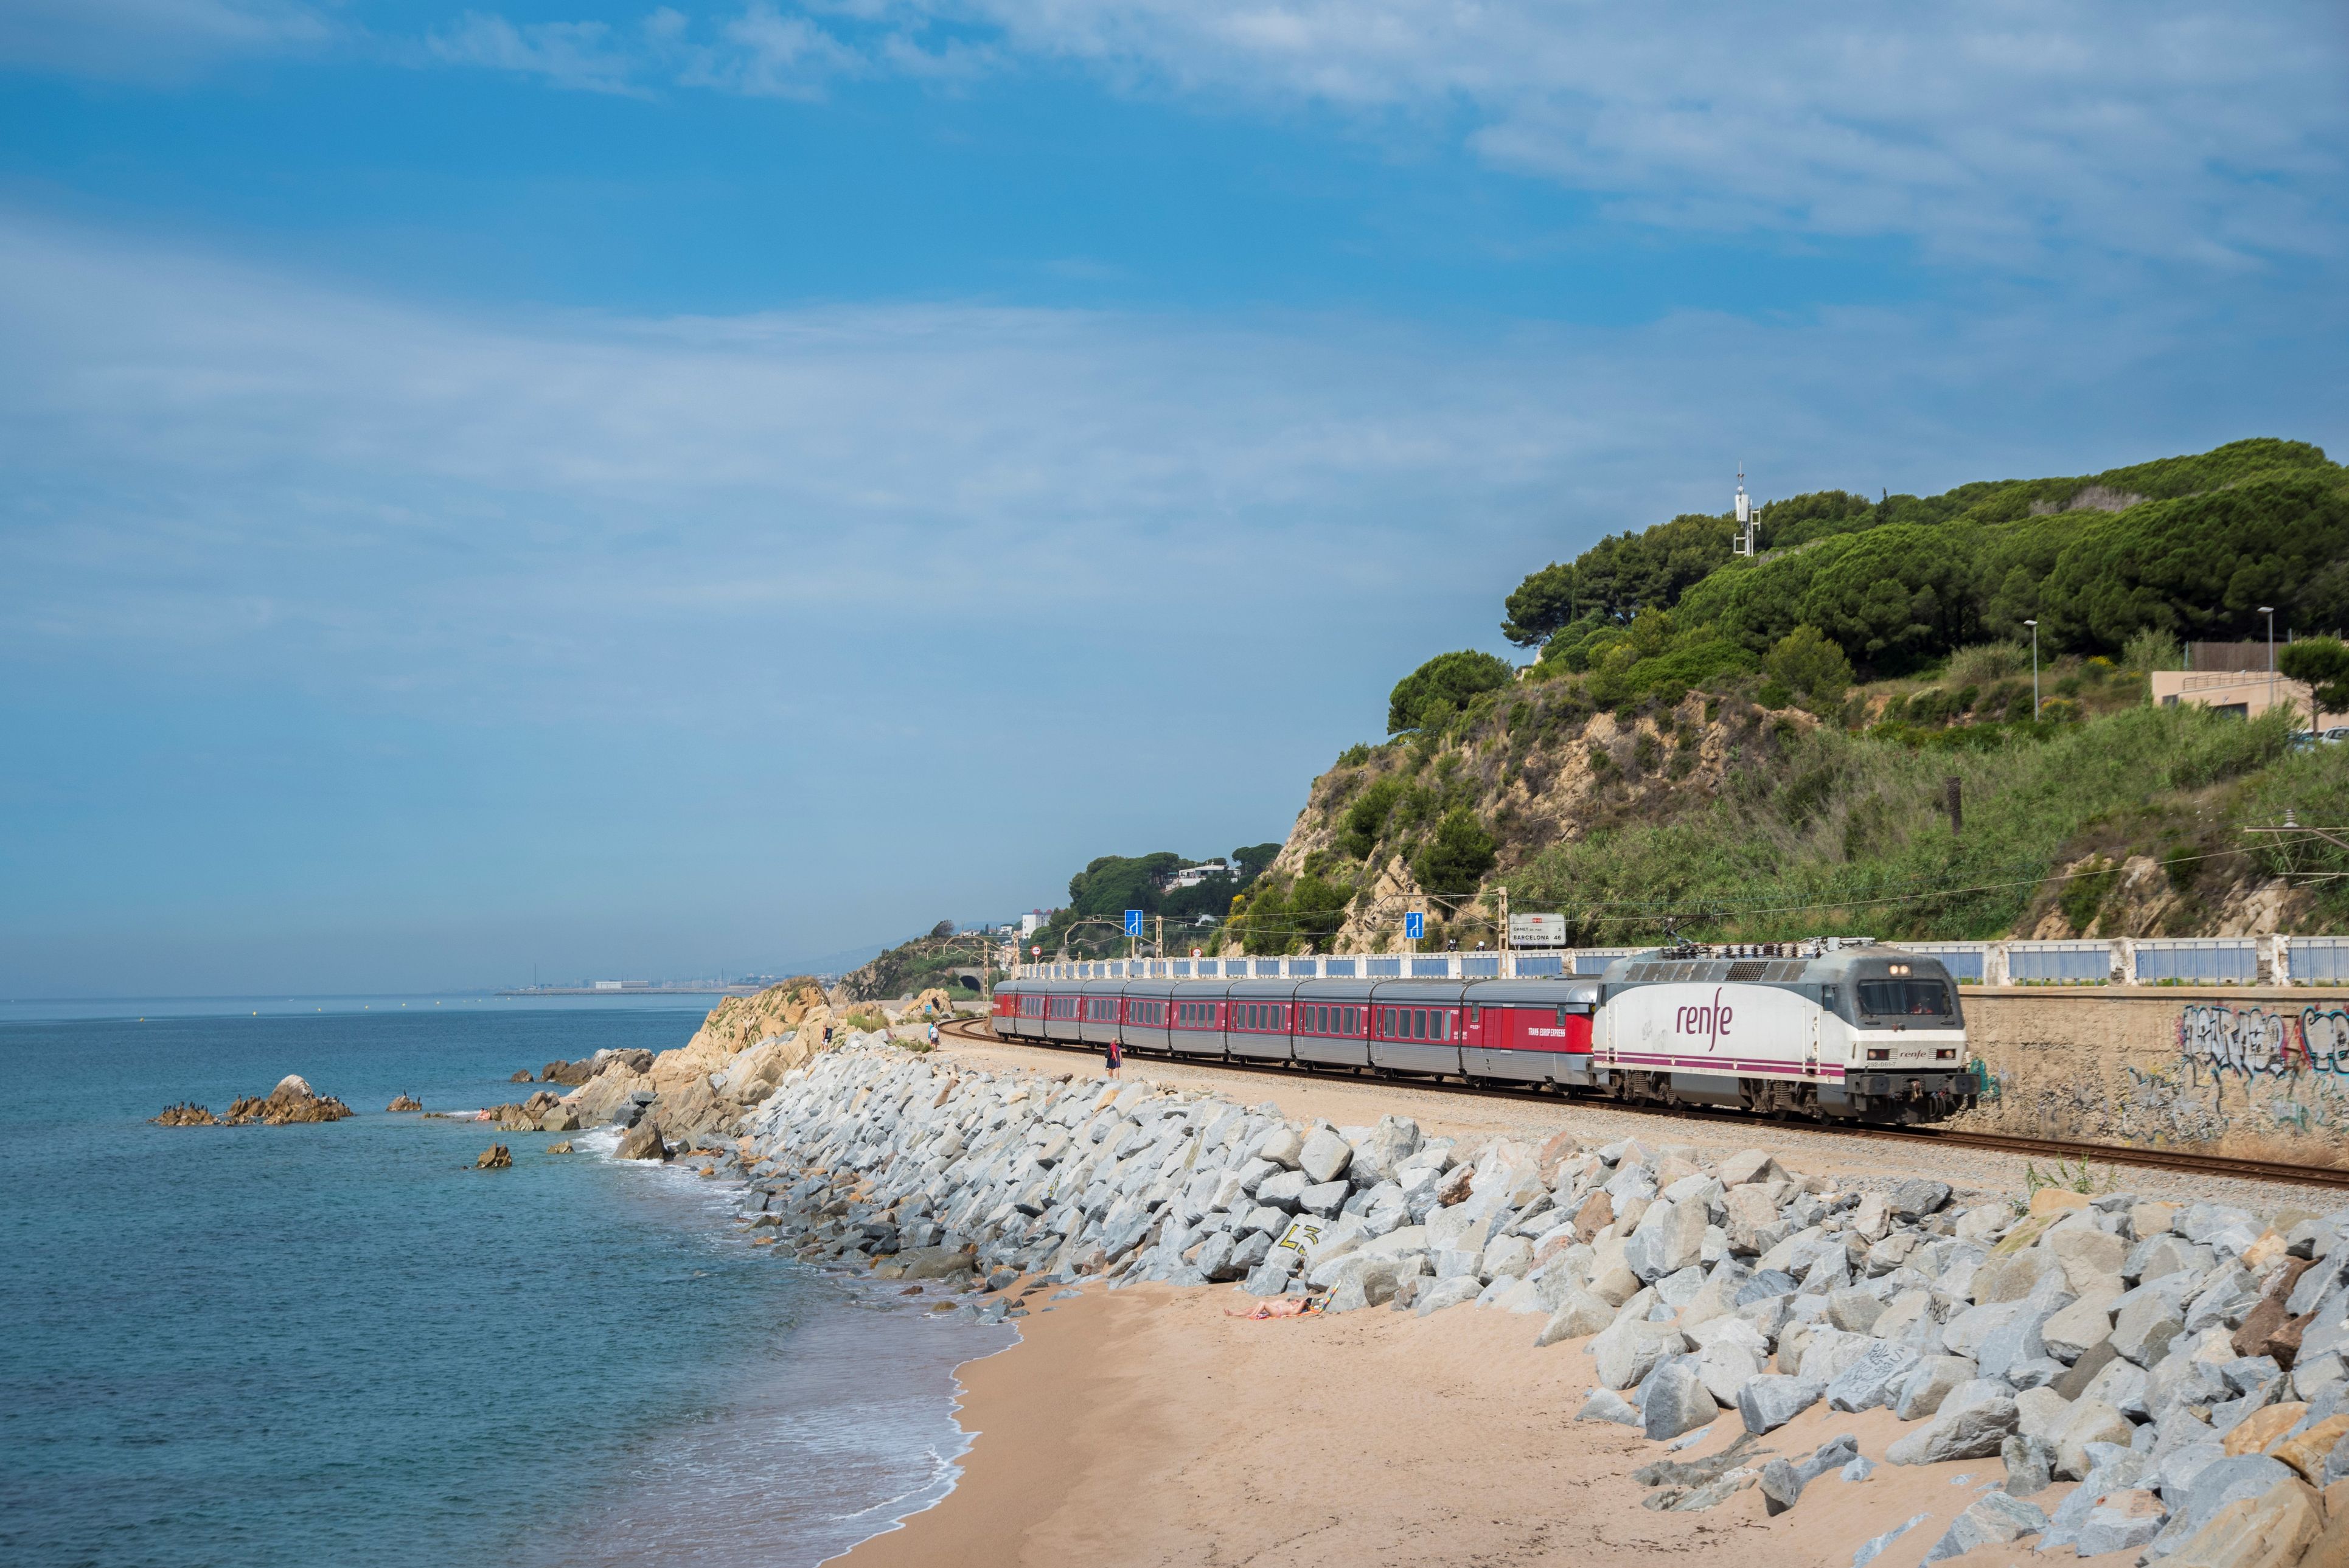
(1947, 1138)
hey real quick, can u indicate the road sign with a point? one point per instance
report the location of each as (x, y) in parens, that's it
(1536, 931)
(1036, 951)
(1414, 925)
(1133, 923)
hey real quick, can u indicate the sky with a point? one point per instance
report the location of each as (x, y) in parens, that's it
(635, 490)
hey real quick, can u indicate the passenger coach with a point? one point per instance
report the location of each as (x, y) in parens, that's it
(1848, 1030)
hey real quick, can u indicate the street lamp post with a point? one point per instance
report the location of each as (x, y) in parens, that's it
(2035, 669)
(2269, 611)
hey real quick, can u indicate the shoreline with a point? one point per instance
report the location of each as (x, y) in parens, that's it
(1142, 1425)
(1675, 1346)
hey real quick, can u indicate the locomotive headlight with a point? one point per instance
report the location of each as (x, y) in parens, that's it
(1878, 1054)
(1948, 1053)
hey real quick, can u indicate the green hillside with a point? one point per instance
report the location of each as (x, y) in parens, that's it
(1763, 748)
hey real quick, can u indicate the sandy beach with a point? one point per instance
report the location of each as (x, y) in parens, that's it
(1144, 1426)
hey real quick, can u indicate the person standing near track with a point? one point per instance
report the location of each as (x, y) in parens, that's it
(1110, 1054)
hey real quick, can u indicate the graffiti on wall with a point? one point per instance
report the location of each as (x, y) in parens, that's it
(2291, 1067)
(2249, 1041)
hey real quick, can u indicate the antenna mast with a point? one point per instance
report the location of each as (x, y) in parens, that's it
(1748, 518)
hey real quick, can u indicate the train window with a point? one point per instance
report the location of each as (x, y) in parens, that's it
(1435, 1022)
(1904, 998)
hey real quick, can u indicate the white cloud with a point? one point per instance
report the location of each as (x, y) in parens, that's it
(165, 38)
(1994, 129)
(217, 463)
(586, 56)
(1989, 131)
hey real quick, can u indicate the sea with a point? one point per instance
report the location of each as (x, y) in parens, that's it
(342, 1344)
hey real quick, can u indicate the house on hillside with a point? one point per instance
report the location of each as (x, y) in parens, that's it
(2234, 677)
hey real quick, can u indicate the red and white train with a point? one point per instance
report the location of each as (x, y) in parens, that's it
(1851, 1030)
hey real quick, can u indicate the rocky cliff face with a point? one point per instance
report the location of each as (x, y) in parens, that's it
(1539, 770)
(698, 1095)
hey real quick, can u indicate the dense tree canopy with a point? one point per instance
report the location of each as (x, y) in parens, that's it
(1618, 576)
(1456, 860)
(2191, 545)
(2323, 664)
(1441, 687)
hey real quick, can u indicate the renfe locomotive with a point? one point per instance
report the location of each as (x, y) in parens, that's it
(1835, 1027)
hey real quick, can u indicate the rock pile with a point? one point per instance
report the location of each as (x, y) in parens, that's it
(496, 1157)
(404, 1102)
(572, 1074)
(291, 1101)
(2186, 1366)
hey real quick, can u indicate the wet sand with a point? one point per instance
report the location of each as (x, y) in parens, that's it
(1145, 1426)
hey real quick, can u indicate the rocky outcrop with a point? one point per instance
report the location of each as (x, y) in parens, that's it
(531, 1115)
(571, 1074)
(643, 1141)
(697, 1096)
(405, 1102)
(292, 1100)
(785, 1020)
(496, 1157)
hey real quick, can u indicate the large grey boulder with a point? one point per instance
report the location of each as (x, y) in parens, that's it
(1324, 1199)
(2214, 1486)
(1676, 1400)
(2067, 1334)
(1324, 1156)
(2040, 1413)
(1669, 1238)
(1927, 1384)
(1382, 1150)
(1995, 1517)
(1512, 1255)
(1626, 1351)
(1286, 1190)
(1364, 1282)
(2030, 1464)
(1854, 1310)
(1579, 1315)
(1771, 1401)
(1269, 1218)
(2120, 1522)
(1870, 1380)
(1280, 1145)
(1606, 1405)
(2087, 1423)
(1725, 1367)
(1446, 1293)
(1974, 1432)
(1748, 1166)
(1916, 1199)
(2118, 1383)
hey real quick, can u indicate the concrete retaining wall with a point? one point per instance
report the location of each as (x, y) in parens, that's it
(2257, 1071)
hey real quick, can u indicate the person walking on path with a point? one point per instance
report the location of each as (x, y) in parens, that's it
(1111, 1054)
(934, 1033)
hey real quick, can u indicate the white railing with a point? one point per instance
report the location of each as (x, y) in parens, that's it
(2140, 961)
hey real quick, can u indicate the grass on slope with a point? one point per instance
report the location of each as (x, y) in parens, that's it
(1847, 832)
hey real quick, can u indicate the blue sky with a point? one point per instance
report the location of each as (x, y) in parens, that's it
(650, 489)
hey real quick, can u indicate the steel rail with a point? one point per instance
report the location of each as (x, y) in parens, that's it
(1949, 1138)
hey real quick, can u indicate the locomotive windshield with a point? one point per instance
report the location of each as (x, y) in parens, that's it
(1910, 998)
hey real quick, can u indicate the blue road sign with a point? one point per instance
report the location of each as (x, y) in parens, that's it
(1133, 923)
(1414, 925)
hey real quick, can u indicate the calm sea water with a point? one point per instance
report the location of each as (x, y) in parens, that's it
(313, 1345)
